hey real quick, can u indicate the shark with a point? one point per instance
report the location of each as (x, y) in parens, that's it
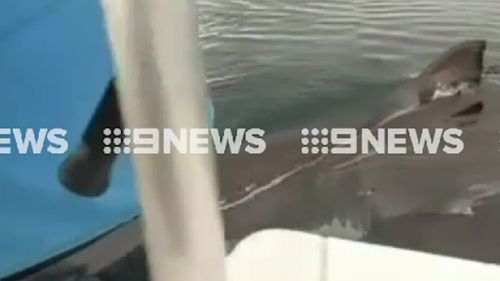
(350, 195)
(343, 195)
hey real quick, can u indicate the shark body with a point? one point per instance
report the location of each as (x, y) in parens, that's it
(352, 196)
(344, 195)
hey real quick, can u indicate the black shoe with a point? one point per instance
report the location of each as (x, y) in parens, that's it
(86, 173)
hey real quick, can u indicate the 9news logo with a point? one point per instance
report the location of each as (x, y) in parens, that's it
(33, 141)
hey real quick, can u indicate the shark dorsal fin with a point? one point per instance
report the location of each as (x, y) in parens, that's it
(461, 63)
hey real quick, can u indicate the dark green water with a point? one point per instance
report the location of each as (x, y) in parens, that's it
(286, 63)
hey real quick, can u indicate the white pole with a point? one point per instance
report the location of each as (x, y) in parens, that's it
(162, 86)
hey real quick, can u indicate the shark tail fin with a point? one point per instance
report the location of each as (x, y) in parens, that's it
(461, 63)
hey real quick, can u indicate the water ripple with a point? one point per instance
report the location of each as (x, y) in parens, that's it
(338, 42)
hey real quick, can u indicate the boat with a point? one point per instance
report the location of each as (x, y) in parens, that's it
(50, 234)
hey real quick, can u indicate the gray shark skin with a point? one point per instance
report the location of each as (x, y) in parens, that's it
(461, 63)
(349, 195)
(475, 238)
(446, 204)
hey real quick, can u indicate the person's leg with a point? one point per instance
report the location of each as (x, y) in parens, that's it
(87, 171)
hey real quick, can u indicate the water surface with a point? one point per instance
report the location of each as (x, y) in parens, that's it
(285, 63)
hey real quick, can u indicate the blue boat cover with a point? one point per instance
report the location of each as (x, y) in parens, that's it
(54, 64)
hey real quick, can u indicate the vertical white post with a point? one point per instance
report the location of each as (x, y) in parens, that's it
(162, 86)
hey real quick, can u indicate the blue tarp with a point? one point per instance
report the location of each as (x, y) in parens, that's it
(54, 65)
